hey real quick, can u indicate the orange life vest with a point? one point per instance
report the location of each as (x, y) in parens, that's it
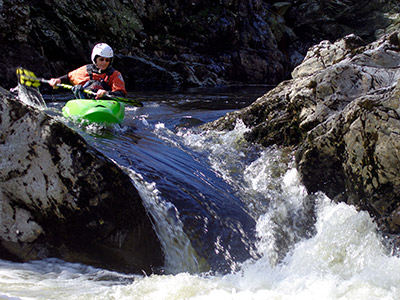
(112, 78)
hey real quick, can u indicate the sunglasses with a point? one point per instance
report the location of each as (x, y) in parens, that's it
(104, 59)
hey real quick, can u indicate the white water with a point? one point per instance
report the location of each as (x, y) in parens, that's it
(31, 96)
(179, 253)
(344, 258)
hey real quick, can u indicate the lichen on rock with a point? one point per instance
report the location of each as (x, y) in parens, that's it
(62, 198)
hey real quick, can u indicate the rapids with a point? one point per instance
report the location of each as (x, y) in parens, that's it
(233, 218)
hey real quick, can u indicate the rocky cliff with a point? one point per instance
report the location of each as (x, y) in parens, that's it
(341, 114)
(59, 197)
(178, 43)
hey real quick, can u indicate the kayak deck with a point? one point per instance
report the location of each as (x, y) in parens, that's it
(94, 111)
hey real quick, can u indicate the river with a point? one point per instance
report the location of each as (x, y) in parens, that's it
(233, 218)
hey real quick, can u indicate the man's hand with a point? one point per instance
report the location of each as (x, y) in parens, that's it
(100, 93)
(54, 81)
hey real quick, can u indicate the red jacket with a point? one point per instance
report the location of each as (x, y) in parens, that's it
(112, 77)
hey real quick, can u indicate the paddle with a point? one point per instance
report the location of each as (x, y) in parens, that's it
(28, 78)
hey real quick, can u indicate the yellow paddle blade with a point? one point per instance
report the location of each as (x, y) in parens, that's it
(27, 78)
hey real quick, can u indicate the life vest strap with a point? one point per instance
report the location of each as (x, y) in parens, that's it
(103, 82)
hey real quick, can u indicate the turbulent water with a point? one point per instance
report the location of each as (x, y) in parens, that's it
(233, 219)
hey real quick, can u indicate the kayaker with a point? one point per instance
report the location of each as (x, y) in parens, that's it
(100, 76)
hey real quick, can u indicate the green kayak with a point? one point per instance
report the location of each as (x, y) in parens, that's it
(94, 111)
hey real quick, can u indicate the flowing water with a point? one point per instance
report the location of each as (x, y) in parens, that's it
(233, 219)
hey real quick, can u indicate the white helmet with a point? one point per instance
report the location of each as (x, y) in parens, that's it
(103, 50)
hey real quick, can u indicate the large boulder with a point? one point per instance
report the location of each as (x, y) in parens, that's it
(341, 113)
(59, 197)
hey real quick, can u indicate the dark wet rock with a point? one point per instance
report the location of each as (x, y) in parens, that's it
(151, 74)
(202, 41)
(341, 112)
(59, 197)
(197, 43)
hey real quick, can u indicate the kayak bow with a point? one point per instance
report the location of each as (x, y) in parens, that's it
(94, 111)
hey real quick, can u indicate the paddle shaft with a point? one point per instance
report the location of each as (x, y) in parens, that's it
(68, 86)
